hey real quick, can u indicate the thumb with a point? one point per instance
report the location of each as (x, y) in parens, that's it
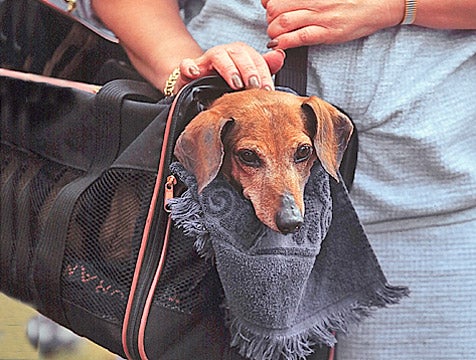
(275, 60)
(191, 70)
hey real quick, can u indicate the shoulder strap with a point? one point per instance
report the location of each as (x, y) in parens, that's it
(294, 75)
(294, 72)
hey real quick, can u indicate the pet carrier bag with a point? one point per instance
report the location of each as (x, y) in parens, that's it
(79, 186)
(86, 236)
(84, 233)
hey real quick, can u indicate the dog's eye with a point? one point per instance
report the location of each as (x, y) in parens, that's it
(302, 153)
(249, 157)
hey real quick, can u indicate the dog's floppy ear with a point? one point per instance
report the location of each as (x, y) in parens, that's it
(200, 149)
(332, 132)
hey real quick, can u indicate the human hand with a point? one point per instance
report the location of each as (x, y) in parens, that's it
(239, 64)
(304, 22)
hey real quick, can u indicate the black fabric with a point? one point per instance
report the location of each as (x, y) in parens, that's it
(293, 74)
(77, 173)
(58, 181)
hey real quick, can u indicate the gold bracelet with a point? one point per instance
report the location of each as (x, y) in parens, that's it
(71, 5)
(171, 81)
(410, 12)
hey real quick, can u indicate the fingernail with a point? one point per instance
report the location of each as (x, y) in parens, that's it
(237, 82)
(194, 70)
(272, 44)
(268, 88)
(253, 82)
(281, 52)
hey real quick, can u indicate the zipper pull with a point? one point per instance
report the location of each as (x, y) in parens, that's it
(169, 191)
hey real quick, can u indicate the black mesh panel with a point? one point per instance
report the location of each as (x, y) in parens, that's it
(103, 239)
(28, 186)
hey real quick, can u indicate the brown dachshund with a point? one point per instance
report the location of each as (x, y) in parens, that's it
(265, 143)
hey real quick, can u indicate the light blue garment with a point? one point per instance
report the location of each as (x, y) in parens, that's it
(412, 93)
(84, 14)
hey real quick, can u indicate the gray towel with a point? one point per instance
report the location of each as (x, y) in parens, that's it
(285, 294)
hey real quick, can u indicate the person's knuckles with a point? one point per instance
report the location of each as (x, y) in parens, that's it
(214, 54)
(273, 10)
(285, 21)
(305, 36)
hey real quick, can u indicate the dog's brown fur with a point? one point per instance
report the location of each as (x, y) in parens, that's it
(260, 141)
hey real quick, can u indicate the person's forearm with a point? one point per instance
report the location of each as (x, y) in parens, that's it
(448, 14)
(152, 33)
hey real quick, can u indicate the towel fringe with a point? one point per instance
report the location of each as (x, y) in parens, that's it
(187, 216)
(253, 345)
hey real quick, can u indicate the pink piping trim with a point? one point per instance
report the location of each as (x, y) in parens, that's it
(332, 350)
(90, 88)
(150, 296)
(145, 238)
(140, 259)
(148, 304)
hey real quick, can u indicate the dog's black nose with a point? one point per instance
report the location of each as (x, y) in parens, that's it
(289, 218)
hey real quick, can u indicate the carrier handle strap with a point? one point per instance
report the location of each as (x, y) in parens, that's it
(293, 74)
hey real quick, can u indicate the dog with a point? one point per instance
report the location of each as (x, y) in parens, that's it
(265, 143)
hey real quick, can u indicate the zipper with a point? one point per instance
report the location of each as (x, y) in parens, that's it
(148, 268)
(150, 263)
(169, 192)
(151, 255)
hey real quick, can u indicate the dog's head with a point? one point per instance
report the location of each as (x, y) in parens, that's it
(265, 143)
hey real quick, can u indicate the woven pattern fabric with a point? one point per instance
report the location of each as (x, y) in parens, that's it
(440, 315)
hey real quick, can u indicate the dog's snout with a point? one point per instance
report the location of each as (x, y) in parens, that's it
(289, 218)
